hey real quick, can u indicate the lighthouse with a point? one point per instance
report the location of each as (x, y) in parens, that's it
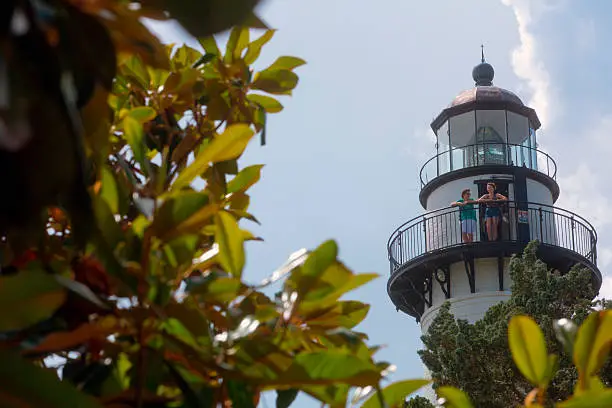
(486, 142)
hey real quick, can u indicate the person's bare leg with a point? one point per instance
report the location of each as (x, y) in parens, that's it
(489, 222)
(470, 237)
(495, 227)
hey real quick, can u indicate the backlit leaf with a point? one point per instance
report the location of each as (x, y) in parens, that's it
(229, 145)
(528, 348)
(592, 345)
(245, 179)
(143, 114)
(134, 135)
(254, 48)
(330, 366)
(592, 399)
(284, 62)
(451, 397)
(395, 394)
(277, 81)
(269, 104)
(231, 243)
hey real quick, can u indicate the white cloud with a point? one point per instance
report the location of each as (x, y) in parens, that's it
(606, 288)
(525, 63)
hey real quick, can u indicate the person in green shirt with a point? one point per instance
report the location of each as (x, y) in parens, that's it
(467, 215)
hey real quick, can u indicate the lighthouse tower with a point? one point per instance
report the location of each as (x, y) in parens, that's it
(486, 135)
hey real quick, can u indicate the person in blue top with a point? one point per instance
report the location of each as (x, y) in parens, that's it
(493, 211)
(467, 215)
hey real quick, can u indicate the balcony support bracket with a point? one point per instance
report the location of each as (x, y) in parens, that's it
(468, 262)
(442, 275)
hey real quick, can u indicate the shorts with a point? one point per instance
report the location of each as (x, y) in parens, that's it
(492, 212)
(468, 226)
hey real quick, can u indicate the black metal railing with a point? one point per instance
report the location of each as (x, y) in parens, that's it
(519, 222)
(486, 154)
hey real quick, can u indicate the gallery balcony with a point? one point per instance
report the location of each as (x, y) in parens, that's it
(430, 242)
(481, 158)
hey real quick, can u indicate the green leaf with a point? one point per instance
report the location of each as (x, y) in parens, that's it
(210, 45)
(24, 385)
(238, 40)
(254, 48)
(330, 366)
(185, 213)
(277, 81)
(592, 345)
(134, 135)
(343, 314)
(245, 179)
(231, 243)
(109, 191)
(528, 348)
(204, 19)
(395, 394)
(217, 290)
(453, 398)
(111, 231)
(289, 63)
(226, 146)
(269, 104)
(240, 394)
(142, 114)
(284, 398)
(591, 399)
(321, 258)
(28, 298)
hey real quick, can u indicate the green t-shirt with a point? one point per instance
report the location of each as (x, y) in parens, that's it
(466, 212)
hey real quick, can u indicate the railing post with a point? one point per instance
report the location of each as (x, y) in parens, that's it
(425, 232)
(399, 248)
(541, 225)
(573, 237)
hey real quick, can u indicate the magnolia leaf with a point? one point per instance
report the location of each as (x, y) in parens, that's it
(591, 399)
(245, 179)
(330, 366)
(284, 62)
(238, 40)
(226, 146)
(284, 398)
(528, 348)
(24, 385)
(134, 135)
(254, 48)
(142, 114)
(592, 345)
(277, 81)
(451, 397)
(109, 191)
(204, 19)
(231, 243)
(28, 298)
(268, 103)
(395, 394)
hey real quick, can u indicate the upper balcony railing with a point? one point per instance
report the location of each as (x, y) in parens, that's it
(483, 154)
(520, 222)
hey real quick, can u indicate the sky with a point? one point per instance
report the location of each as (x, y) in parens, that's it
(342, 160)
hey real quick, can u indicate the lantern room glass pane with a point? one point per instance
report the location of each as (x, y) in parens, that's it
(443, 147)
(462, 128)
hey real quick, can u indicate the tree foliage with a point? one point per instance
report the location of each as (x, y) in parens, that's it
(122, 221)
(475, 357)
